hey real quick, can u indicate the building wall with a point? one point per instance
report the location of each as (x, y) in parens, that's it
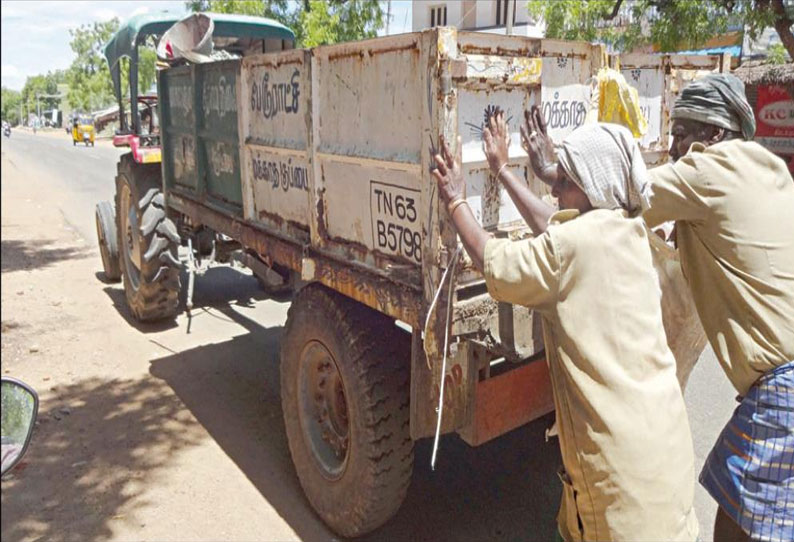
(420, 16)
(472, 15)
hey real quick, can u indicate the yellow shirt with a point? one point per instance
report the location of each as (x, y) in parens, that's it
(624, 434)
(733, 204)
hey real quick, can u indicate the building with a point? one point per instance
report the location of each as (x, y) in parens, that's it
(480, 15)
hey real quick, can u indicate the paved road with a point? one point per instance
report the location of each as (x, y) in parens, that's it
(504, 490)
(85, 173)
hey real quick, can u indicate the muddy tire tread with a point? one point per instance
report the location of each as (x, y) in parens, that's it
(379, 360)
(157, 297)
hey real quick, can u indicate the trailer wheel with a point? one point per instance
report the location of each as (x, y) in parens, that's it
(345, 396)
(105, 218)
(148, 241)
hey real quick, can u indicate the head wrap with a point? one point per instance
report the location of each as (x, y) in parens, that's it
(717, 99)
(605, 162)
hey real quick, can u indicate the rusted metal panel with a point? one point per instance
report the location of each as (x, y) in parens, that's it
(384, 295)
(275, 130)
(368, 99)
(508, 401)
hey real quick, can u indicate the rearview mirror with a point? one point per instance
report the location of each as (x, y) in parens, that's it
(20, 405)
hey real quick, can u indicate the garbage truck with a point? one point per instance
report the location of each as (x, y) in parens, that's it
(312, 167)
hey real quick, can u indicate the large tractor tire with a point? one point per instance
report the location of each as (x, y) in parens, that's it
(105, 218)
(148, 241)
(345, 372)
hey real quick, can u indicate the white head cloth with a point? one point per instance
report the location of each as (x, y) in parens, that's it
(605, 162)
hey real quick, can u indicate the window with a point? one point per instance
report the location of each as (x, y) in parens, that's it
(501, 12)
(438, 16)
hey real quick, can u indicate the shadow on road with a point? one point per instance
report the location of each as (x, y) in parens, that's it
(96, 444)
(505, 490)
(17, 255)
(219, 287)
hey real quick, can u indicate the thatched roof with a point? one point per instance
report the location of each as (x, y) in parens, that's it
(757, 72)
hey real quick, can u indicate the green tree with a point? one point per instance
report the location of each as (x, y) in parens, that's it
(39, 91)
(90, 85)
(11, 100)
(89, 81)
(669, 24)
(777, 54)
(315, 22)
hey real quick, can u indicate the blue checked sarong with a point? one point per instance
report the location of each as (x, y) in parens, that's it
(750, 470)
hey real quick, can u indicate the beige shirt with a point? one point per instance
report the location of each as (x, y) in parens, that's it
(624, 434)
(733, 204)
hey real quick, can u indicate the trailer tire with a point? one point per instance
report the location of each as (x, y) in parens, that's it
(105, 218)
(148, 242)
(345, 376)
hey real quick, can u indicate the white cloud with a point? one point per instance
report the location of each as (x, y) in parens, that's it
(35, 35)
(104, 14)
(140, 11)
(9, 70)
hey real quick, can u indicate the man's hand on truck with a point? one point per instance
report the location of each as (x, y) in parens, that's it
(496, 141)
(539, 146)
(452, 191)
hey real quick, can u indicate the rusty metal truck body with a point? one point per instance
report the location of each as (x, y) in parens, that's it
(317, 165)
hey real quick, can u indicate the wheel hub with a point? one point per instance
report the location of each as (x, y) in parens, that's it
(324, 410)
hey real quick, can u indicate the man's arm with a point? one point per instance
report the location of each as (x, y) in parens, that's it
(534, 210)
(674, 192)
(524, 272)
(452, 190)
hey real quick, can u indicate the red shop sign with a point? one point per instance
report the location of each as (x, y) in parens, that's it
(774, 112)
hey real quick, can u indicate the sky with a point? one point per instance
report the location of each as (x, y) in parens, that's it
(35, 35)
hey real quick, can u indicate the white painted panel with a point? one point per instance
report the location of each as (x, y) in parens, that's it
(374, 206)
(565, 94)
(280, 183)
(275, 96)
(370, 103)
(649, 83)
(487, 198)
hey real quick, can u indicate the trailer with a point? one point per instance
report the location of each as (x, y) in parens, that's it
(313, 167)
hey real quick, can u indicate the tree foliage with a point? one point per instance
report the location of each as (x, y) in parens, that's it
(90, 85)
(315, 22)
(11, 101)
(669, 24)
(34, 94)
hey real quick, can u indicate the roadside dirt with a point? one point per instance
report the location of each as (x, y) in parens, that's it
(124, 447)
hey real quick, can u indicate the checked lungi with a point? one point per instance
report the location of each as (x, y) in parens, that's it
(750, 470)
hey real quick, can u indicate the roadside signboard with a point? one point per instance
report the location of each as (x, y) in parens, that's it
(774, 113)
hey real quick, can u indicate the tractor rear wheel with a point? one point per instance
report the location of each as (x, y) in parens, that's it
(148, 241)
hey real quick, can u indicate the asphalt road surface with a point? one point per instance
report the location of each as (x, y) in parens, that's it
(178, 436)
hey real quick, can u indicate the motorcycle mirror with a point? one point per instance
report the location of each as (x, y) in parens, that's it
(20, 405)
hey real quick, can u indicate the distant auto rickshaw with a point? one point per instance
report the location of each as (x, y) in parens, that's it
(83, 130)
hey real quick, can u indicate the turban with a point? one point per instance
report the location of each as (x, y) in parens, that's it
(717, 99)
(605, 162)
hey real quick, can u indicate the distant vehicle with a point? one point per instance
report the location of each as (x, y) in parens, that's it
(83, 130)
(6, 129)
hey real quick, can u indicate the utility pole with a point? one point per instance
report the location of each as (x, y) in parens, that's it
(388, 16)
(509, 9)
